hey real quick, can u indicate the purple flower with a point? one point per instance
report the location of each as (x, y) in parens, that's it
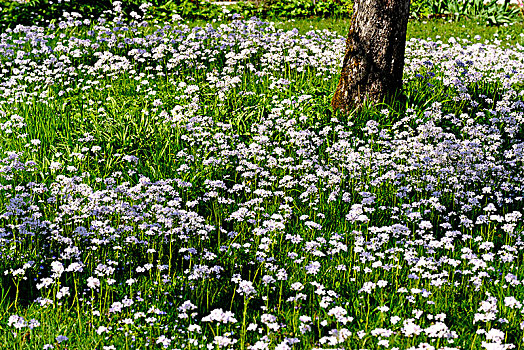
(61, 339)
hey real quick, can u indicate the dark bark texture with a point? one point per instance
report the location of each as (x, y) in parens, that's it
(374, 59)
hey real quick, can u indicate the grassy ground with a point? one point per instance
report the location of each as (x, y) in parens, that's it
(190, 188)
(435, 29)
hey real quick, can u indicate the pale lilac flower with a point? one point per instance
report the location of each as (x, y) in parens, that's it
(93, 282)
(219, 315)
(246, 288)
(16, 321)
(61, 339)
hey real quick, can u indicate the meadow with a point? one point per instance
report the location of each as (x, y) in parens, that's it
(187, 186)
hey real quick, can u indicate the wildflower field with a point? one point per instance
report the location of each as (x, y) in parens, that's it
(181, 187)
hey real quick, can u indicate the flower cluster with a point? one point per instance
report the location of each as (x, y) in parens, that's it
(183, 187)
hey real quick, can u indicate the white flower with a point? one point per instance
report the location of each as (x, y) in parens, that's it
(101, 330)
(313, 268)
(437, 330)
(55, 166)
(246, 288)
(297, 286)
(383, 342)
(259, 345)
(220, 315)
(337, 311)
(409, 328)
(116, 307)
(64, 291)
(304, 319)
(394, 319)
(186, 305)
(382, 283)
(283, 346)
(512, 303)
(495, 335)
(494, 346)
(367, 287)
(16, 321)
(45, 282)
(93, 282)
(164, 341)
(383, 308)
(57, 268)
(222, 341)
(194, 328)
(340, 314)
(75, 267)
(440, 317)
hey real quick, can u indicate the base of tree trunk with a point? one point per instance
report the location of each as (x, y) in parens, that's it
(374, 59)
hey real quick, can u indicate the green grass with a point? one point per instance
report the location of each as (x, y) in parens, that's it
(437, 29)
(252, 136)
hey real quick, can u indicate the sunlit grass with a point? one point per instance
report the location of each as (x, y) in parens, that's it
(189, 179)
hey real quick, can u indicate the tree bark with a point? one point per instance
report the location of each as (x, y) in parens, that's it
(374, 59)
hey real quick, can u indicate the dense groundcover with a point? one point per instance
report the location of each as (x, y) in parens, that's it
(185, 188)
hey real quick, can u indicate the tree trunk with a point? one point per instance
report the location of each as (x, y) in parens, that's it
(374, 59)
